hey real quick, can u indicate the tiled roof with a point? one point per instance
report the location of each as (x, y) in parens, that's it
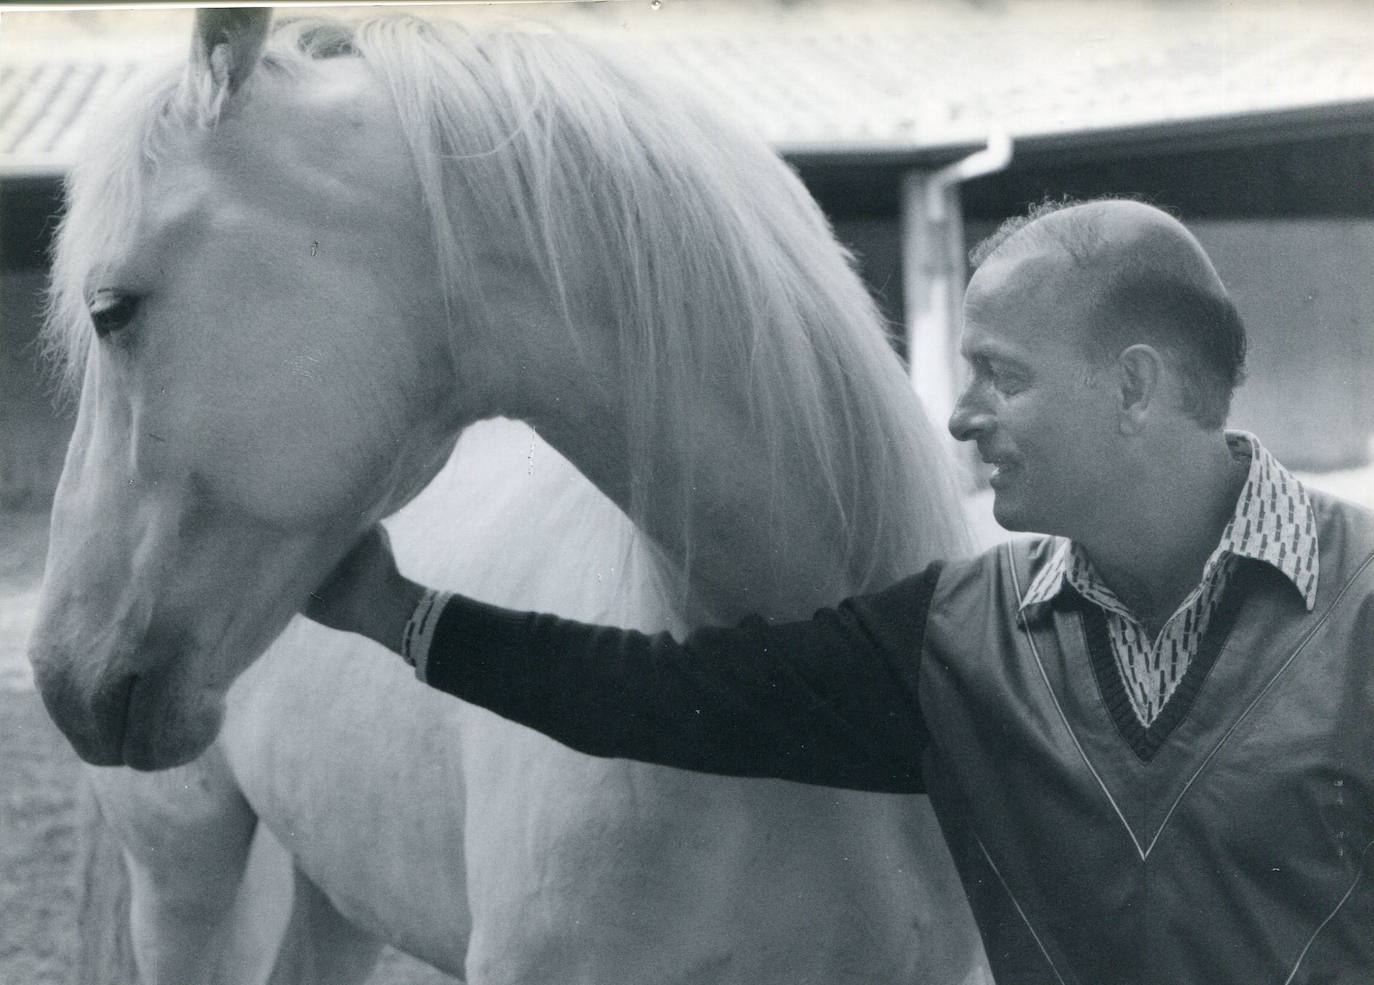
(863, 92)
(44, 104)
(816, 77)
(948, 75)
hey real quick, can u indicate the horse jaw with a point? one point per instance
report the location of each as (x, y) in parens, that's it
(143, 621)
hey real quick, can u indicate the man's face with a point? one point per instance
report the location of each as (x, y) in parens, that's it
(1030, 405)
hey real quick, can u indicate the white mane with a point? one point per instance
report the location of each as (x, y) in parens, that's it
(717, 264)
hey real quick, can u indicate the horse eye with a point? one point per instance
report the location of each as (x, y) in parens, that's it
(112, 311)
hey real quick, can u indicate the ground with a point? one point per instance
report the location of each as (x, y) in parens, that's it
(37, 892)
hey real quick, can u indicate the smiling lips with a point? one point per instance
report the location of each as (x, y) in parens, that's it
(1001, 469)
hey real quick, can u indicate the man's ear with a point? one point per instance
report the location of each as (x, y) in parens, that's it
(1140, 373)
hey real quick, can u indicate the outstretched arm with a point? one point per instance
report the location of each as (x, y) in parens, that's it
(830, 700)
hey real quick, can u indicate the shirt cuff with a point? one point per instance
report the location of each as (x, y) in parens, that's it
(419, 631)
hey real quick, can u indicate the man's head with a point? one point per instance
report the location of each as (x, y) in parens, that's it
(1098, 335)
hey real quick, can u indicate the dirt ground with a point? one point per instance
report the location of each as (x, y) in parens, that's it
(37, 848)
(23, 541)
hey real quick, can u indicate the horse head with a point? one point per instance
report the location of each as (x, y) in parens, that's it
(289, 279)
(248, 318)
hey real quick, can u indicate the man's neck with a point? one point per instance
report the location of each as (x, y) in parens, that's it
(1154, 556)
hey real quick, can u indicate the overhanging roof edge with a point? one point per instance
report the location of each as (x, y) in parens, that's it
(1173, 136)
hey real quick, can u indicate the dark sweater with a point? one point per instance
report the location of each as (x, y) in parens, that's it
(830, 700)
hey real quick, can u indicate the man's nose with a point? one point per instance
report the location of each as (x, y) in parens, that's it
(969, 418)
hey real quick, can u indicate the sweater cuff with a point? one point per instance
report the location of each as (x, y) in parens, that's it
(419, 631)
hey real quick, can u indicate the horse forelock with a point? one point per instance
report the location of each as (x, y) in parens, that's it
(103, 204)
(107, 185)
(105, 193)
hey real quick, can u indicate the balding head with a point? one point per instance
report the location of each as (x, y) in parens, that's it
(1134, 275)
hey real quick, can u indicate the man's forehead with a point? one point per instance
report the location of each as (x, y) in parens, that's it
(1019, 304)
(1038, 274)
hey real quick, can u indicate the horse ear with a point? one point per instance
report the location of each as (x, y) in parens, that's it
(228, 42)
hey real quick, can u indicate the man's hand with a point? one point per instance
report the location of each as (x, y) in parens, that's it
(366, 594)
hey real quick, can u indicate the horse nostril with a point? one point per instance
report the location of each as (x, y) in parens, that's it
(95, 722)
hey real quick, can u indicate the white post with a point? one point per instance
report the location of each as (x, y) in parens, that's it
(933, 271)
(933, 287)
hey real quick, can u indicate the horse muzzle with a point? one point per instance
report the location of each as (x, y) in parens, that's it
(122, 717)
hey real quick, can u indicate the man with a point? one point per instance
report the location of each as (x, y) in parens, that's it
(1149, 737)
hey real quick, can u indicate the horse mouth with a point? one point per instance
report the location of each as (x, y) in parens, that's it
(166, 726)
(141, 736)
(129, 731)
(149, 718)
(129, 737)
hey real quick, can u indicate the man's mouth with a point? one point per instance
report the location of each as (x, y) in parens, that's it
(1001, 470)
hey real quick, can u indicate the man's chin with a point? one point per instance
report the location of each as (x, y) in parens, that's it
(1010, 517)
(1003, 513)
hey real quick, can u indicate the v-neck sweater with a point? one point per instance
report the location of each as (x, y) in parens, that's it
(1238, 850)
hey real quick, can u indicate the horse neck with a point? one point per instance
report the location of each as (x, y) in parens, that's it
(702, 512)
(735, 540)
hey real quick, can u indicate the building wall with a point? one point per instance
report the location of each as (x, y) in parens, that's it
(877, 250)
(1305, 288)
(33, 431)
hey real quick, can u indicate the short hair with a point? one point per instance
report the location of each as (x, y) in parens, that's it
(1198, 331)
(1070, 236)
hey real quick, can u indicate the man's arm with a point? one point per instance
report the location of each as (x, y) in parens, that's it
(830, 700)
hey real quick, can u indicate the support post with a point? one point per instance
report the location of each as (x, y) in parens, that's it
(933, 271)
(933, 286)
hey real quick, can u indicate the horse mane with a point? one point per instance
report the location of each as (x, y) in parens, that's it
(717, 265)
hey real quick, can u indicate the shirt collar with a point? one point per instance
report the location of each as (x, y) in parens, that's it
(1274, 523)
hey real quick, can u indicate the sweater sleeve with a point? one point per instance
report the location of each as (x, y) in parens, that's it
(830, 700)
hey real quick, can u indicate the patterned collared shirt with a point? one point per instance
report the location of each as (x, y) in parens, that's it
(1273, 522)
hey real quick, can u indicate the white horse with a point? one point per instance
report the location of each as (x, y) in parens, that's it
(288, 280)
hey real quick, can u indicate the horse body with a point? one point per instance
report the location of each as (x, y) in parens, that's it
(731, 435)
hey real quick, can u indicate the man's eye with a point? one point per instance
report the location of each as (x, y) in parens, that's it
(1006, 382)
(112, 311)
